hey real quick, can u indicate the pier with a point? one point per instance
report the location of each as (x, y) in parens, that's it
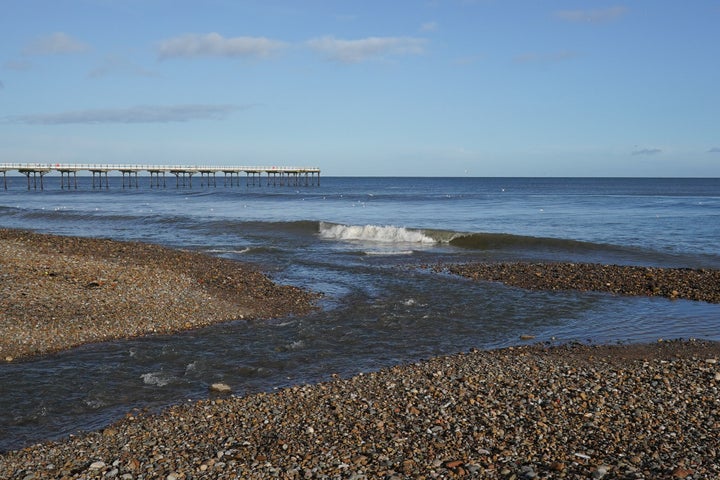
(254, 176)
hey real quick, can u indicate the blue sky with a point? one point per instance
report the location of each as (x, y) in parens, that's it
(427, 87)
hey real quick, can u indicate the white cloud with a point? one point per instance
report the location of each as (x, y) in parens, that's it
(57, 43)
(139, 114)
(354, 51)
(429, 27)
(646, 151)
(215, 45)
(591, 16)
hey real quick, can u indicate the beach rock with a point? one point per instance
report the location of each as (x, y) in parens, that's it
(600, 472)
(682, 473)
(220, 388)
(99, 465)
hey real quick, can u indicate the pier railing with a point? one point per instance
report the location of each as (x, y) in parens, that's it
(275, 175)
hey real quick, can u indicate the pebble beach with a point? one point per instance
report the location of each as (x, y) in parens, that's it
(574, 411)
(58, 292)
(673, 283)
(536, 411)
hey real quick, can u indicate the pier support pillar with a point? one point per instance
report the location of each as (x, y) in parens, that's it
(210, 178)
(99, 174)
(65, 179)
(186, 178)
(35, 174)
(132, 178)
(155, 178)
(233, 176)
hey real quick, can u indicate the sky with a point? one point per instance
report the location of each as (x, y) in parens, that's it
(365, 87)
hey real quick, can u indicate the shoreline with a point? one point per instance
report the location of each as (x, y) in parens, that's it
(60, 292)
(571, 411)
(533, 411)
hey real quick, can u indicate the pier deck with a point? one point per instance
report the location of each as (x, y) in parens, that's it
(275, 176)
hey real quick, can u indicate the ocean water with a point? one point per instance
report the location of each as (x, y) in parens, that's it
(360, 242)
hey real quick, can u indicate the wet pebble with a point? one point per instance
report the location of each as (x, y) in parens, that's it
(690, 284)
(570, 411)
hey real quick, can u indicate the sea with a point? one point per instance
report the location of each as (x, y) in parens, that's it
(365, 244)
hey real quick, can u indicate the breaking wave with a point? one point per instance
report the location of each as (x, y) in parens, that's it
(374, 233)
(477, 241)
(385, 235)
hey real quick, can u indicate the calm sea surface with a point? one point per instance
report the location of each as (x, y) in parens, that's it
(357, 240)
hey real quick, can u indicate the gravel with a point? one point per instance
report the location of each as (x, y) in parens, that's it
(686, 283)
(538, 411)
(574, 411)
(60, 292)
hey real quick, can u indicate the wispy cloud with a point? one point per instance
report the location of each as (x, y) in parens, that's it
(215, 45)
(468, 60)
(591, 16)
(646, 151)
(546, 57)
(346, 17)
(429, 27)
(139, 114)
(55, 44)
(354, 51)
(17, 65)
(714, 150)
(118, 65)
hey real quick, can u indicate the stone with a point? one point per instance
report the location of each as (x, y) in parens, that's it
(600, 472)
(682, 473)
(220, 388)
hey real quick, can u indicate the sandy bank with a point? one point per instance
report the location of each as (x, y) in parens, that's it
(59, 292)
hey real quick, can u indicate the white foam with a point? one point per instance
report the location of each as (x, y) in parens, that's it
(296, 345)
(159, 379)
(191, 368)
(388, 253)
(373, 233)
(223, 250)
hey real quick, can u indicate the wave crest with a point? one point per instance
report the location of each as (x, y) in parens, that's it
(374, 233)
